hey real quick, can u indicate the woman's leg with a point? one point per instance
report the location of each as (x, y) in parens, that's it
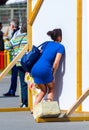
(51, 91)
(41, 94)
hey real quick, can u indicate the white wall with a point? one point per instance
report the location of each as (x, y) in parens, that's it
(86, 50)
(60, 14)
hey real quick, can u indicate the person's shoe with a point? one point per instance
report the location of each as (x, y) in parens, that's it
(23, 106)
(9, 95)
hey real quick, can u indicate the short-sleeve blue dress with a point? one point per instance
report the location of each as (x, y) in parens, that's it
(42, 71)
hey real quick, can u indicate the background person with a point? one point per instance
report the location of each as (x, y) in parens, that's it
(44, 70)
(10, 31)
(1, 38)
(18, 41)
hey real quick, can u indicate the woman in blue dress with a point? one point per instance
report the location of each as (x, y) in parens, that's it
(45, 68)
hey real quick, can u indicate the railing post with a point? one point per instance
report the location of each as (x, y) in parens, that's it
(8, 58)
(29, 30)
(35, 11)
(79, 51)
(31, 15)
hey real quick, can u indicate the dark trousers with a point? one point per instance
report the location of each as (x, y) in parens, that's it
(14, 76)
(24, 90)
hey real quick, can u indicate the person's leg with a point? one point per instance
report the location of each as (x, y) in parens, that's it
(13, 85)
(51, 91)
(24, 90)
(14, 76)
(41, 94)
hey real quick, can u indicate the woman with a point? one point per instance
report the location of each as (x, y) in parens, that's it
(45, 68)
(17, 43)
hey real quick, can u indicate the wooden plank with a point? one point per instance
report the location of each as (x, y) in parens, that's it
(77, 103)
(8, 68)
(76, 112)
(64, 119)
(14, 109)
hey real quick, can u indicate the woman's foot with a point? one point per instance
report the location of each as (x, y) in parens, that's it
(49, 100)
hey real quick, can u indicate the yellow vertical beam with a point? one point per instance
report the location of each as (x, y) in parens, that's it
(36, 10)
(29, 31)
(29, 27)
(5, 61)
(79, 51)
(8, 58)
(31, 15)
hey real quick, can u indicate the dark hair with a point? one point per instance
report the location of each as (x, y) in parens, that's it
(0, 23)
(24, 26)
(16, 22)
(55, 33)
(2, 2)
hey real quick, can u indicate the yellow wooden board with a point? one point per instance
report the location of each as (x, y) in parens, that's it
(78, 102)
(14, 109)
(66, 119)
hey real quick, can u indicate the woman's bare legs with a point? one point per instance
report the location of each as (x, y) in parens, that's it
(41, 94)
(44, 91)
(51, 91)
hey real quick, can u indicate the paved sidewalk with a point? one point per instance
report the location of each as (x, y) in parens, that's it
(25, 121)
(8, 101)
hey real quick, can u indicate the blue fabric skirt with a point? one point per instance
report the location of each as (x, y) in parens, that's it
(42, 73)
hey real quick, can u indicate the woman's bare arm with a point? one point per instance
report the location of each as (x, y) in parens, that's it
(56, 62)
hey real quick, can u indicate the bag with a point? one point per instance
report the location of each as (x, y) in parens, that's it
(30, 58)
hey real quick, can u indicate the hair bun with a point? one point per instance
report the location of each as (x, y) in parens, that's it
(49, 33)
(55, 34)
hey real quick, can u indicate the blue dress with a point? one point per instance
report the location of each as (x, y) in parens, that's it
(42, 70)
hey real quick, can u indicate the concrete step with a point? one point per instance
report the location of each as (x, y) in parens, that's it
(46, 109)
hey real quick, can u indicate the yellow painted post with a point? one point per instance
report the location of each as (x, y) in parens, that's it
(5, 62)
(29, 27)
(29, 30)
(79, 51)
(36, 10)
(31, 14)
(8, 58)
